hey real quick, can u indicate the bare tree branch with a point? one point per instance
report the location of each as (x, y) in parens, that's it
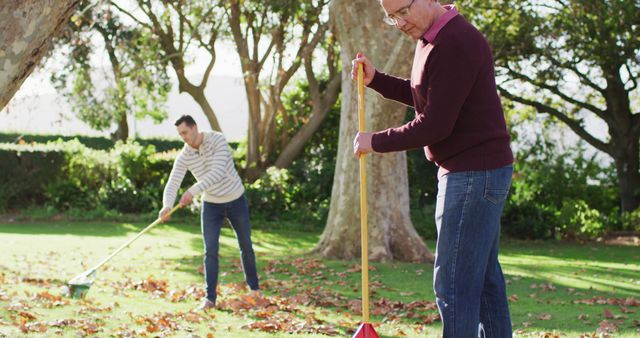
(131, 16)
(236, 30)
(207, 72)
(575, 125)
(572, 67)
(555, 90)
(272, 44)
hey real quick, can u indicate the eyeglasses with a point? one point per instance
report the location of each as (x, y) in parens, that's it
(392, 19)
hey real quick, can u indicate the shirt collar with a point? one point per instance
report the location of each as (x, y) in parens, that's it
(433, 31)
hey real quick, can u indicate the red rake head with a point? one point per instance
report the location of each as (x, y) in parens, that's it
(365, 331)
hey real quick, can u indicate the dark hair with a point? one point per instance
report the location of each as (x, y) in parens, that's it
(186, 119)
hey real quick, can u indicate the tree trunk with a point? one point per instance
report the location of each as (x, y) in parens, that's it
(624, 129)
(628, 182)
(198, 95)
(253, 166)
(299, 140)
(322, 101)
(391, 233)
(122, 133)
(26, 31)
(626, 154)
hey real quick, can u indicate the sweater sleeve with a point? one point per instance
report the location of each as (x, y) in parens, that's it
(392, 88)
(216, 164)
(175, 179)
(451, 76)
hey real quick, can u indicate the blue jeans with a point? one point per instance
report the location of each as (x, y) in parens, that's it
(213, 215)
(467, 279)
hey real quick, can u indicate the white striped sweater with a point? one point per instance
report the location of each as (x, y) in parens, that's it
(212, 166)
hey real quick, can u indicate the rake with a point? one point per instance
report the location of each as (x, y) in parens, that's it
(366, 329)
(80, 284)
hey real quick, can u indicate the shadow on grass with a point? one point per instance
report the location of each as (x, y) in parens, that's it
(586, 252)
(267, 245)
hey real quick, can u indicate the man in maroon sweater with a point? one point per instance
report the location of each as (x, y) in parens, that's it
(460, 123)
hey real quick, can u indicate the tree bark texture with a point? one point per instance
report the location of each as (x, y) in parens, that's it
(26, 31)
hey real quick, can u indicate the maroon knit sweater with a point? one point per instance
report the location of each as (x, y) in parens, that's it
(459, 119)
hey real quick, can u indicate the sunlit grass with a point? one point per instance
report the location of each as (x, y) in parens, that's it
(543, 279)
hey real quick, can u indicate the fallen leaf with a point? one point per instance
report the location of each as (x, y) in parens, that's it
(34, 327)
(27, 316)
(608, 314)
(624, 309)
(547, 287)
(606, 327)
(152, 328)
(544, 316)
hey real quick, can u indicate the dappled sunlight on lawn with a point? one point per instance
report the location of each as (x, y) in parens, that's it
(153, 287)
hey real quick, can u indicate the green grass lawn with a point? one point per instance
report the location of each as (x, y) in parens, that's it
(151, 288)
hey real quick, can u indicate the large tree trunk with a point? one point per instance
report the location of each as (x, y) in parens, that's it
(624, 129)
(26, 31)
(391, 233)
(628, 179)
(625, 151)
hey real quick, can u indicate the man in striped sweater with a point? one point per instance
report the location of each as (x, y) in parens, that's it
(208, 157)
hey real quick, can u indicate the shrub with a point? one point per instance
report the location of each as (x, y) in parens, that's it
(631, 221)
(64, 194)
(560, 194)
(121, 194)
(424, 221)
(528, 221)
(272, 193)
(85, 169)
(577, 219)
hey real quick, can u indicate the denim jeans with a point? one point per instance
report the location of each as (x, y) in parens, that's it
(467, 279)
(213, 215)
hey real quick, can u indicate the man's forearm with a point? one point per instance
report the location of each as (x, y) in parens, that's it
(392, 88)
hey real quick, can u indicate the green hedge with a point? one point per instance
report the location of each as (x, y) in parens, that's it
(25, 171)
(93, 142)
(128, 178)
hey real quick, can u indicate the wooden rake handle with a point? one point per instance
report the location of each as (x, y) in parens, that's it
(364, 233)
(134, 238)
